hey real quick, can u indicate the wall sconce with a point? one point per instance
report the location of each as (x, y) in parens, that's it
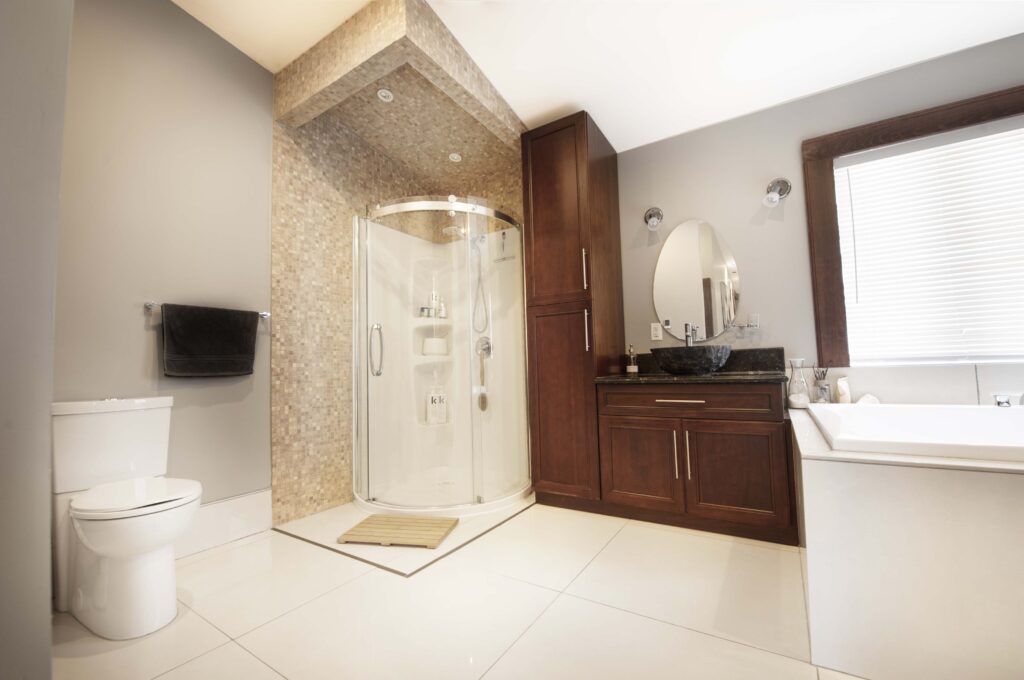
(777, 190)
(652, 218)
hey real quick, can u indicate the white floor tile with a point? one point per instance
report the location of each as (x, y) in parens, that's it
(579, 639)
(441, 623)
(826, 674)
(740, 590)
(242, 585)
(80, 655)
(227, 661)
(325, 527)
(544, 545)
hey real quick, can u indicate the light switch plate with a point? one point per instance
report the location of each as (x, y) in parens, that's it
(656, 331)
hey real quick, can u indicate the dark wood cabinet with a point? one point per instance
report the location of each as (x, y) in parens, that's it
(573, 294)
(640, 462)
(563, 445)
(737, 471)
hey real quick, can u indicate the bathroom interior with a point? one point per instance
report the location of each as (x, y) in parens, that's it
(555, 339)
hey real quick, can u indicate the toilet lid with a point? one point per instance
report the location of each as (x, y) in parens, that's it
(131, 497)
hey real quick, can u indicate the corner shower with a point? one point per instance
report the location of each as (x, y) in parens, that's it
(439, 357)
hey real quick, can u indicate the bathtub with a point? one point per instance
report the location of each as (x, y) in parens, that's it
(971, 432)
(913, 518)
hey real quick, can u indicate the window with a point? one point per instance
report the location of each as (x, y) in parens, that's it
(931, 235)
(916, 233)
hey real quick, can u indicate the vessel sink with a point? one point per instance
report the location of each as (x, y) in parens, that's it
(695, 360)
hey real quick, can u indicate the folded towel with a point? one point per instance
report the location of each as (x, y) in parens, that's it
(206, 341)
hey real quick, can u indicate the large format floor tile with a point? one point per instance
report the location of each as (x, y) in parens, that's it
(227, 661)
(445, 622)
(80, 655)
(324, 528)
(579, 639)
(242, 585)
(544, 545)
(732, 588)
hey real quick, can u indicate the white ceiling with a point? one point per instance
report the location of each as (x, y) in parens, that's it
(272, 32)
(650, 69)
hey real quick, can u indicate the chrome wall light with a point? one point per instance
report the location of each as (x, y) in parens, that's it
(777, 190)
(653, 217)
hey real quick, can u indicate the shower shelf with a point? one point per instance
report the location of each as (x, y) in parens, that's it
(431, 321)
(421, 359)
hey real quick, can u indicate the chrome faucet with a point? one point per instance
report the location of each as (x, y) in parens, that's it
(1006, 400)
(690, 333)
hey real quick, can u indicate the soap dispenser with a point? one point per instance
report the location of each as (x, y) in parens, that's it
(631, 365)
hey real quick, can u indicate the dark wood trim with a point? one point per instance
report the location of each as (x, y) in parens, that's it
(819, 192)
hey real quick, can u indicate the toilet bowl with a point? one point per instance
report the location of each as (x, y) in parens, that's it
(122, 582)
(116, 516)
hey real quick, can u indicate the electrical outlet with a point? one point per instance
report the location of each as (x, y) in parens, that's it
(656, 331)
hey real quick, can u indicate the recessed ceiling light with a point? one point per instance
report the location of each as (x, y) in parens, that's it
(455, 157)
(385, 95)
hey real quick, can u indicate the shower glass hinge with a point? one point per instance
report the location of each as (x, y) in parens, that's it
(479, 499)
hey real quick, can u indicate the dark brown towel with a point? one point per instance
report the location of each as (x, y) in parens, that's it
(207, 341)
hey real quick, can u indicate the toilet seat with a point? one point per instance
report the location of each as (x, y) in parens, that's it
(134, 498)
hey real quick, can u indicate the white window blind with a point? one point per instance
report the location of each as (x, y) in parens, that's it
(931, 234)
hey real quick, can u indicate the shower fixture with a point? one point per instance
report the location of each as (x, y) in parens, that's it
(455, 157)
(385, 95)
(777, 190)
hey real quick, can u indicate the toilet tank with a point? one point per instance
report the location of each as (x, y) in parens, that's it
(109, 440)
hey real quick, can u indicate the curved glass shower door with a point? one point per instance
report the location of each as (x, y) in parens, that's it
(441, 394)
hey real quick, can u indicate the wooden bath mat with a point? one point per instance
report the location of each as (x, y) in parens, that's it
(421, 532)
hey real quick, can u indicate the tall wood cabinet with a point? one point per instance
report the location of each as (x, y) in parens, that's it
(573, 295)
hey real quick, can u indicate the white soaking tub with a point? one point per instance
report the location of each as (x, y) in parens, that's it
(913, 520)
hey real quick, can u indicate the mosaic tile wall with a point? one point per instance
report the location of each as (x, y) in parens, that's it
(336, 152)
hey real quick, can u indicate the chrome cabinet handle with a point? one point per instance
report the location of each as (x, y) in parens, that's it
(380, 336)
(689, 474)
(680, 401)
(675, 453)
(585, 269)
(586, 330)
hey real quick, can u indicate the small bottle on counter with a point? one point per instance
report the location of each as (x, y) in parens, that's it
(631, 365)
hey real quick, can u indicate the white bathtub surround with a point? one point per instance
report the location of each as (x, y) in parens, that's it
(225, 521)
(323, 529)
(982, 438)
(914, 561)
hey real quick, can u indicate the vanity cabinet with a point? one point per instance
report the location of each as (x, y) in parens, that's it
(574, 297)
(709, 454)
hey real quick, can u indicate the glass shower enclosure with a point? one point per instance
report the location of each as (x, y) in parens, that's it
(440, 357)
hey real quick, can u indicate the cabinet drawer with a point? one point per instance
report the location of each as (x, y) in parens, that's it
(729, 402)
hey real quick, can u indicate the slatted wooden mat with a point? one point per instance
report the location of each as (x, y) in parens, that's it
(422, 532)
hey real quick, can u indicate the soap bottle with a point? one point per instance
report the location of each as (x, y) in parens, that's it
(631, 365)
(442, 407)
(442, 310)
(432, 407)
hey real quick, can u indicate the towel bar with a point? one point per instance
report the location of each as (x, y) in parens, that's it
(151, 306)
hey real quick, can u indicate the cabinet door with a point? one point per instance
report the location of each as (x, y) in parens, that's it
(737, 471)
(640, 460)
(563, 402)
(556, 238)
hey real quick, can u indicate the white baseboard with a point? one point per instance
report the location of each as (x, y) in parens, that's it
(224, 521)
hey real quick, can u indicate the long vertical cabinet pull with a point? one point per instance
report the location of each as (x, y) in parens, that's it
(689, 474)
(586, 330)
(675, 452)
(585, 285)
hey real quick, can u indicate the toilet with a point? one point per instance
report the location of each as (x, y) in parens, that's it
(116, 514)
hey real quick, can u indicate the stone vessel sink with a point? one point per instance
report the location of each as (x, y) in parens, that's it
(696, 360)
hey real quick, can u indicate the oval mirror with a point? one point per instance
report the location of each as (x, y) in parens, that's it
(696, 281)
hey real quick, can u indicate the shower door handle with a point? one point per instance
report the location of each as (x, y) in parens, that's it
(586, 330)
(380, 336)
(584, 255)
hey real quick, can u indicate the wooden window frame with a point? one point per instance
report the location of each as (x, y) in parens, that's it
(820, 195)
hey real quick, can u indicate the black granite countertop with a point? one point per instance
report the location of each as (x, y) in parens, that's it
(760, 365)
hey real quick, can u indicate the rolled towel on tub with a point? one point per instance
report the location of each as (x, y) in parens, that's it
(207, 341)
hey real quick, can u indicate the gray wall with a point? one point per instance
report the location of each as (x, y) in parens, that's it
(33, 66)
(720, 173)
(165, 196)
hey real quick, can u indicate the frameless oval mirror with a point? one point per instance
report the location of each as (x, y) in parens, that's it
(696, 281)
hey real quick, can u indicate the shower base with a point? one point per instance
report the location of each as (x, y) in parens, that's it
(324, 528)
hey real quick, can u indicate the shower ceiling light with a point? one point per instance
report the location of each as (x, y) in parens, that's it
(385, 95)
(455, 157)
